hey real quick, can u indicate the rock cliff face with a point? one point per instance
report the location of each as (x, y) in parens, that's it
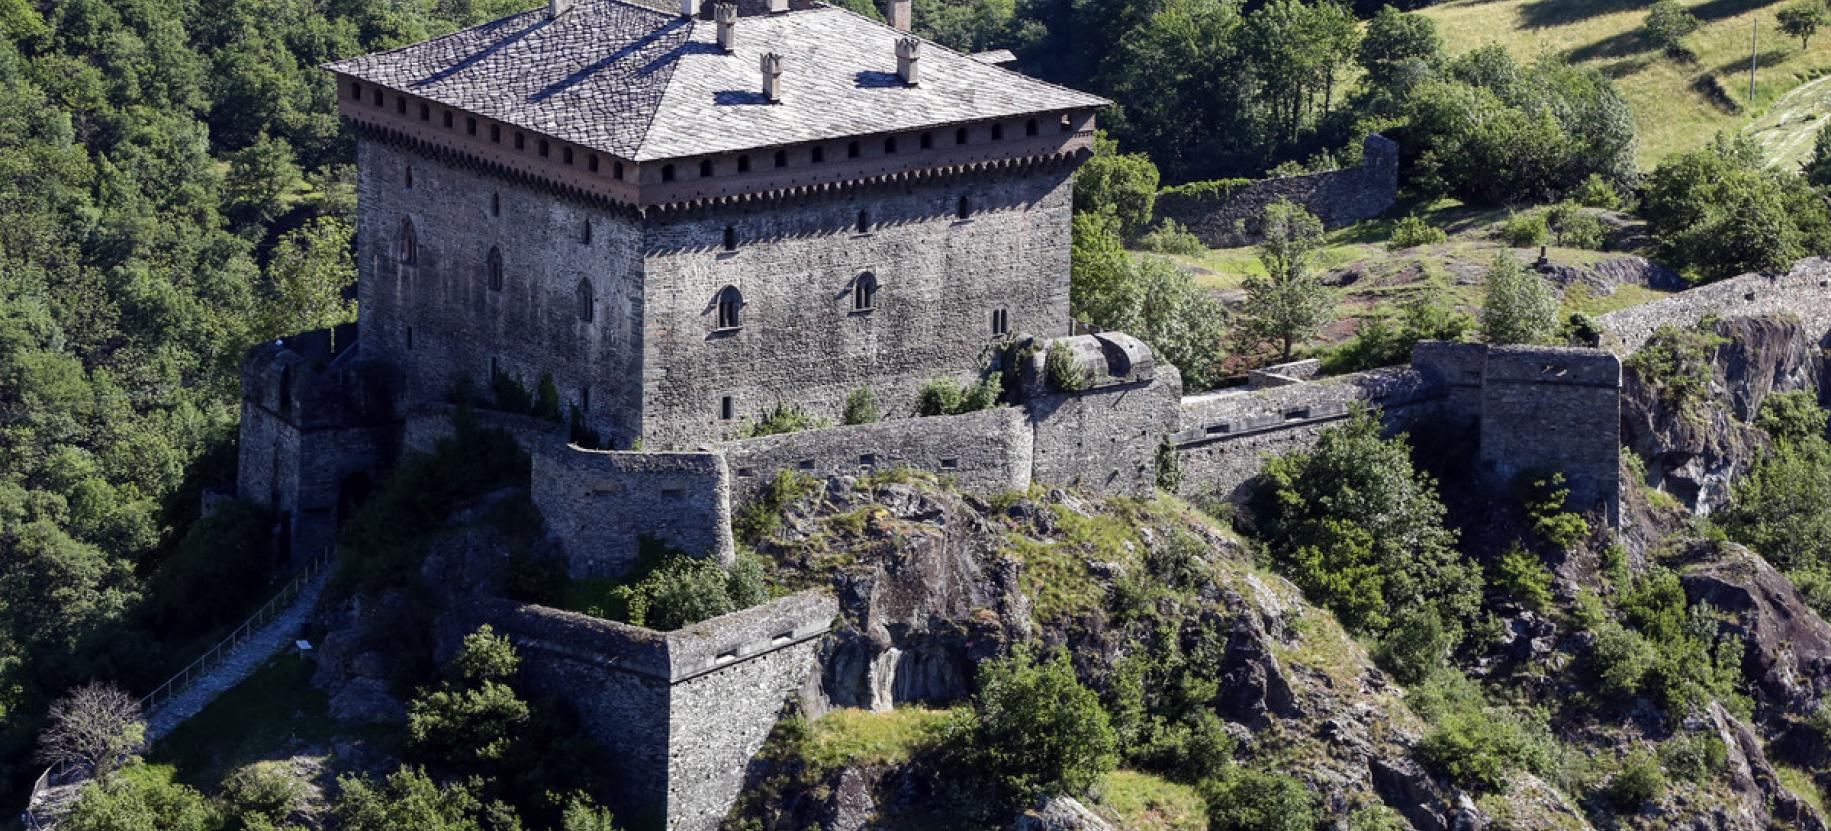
(1693, 453)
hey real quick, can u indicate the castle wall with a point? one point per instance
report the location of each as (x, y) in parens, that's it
(940, 280)
(438, 318)
(600, 504)
(986, 452)
(1105, 439)
(1803, 293)
(429, 423)
(1230, 217)
(1226, 436)
(1549, 409)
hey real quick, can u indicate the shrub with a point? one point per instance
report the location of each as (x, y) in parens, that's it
(783, 418)
(1523, 577)
(1479, 749)
(141, 798)
(1169, 467)
(1412, 231)
(546, 398)
(1241, 799)
(1667, 24)
(1545, 502)
(1415, 648)
(1059, 366)
(1639, 781)
(1597, 192)
(1792, 416)
(1695, 757)
(861, 407)
(760, 518)
(679, 590)
(1520, 307)
(983, 395)
(1577, 228)
(1583, 330)
(945, 396)
(1038, 732)
(409, 800)
(1171, 237)
(1619, 661)
(269, 790)
(1524, 230)
(1676, 362)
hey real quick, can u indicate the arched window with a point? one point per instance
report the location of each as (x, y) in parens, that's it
(493, 268)
(587, 301)
(730, 308)
(864, 292)
(1001, 322)
(409, 243)
(864, 222)
(964, 210)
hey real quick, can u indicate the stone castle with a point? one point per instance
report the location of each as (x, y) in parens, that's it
(679, 218)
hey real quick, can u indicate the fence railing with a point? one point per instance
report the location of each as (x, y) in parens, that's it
(58, 775)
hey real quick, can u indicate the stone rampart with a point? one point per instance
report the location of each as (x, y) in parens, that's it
(600, 504)
(1229, 217)
(1104, 436)
(1551, 409)
(679, 713)
(988, 451)
(428, 423)
(1803, 293)
(1225, 436)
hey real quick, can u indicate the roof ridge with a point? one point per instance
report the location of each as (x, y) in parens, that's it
(667, 83)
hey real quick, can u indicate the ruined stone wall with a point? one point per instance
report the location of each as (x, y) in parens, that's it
(1803, 293)
(680, 713)
(985, 452)
(1225, 436)
(439, 320)
(600, 504)
(1338, 198)
(1550, 409)
(429, 423)
(940, 280)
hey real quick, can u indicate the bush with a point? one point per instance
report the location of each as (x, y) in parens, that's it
(861, 407)
(1412, 231)
(1171, 237)
(1520, 307)
(1479, 749)
(1524, 578)
(677, 590)
(782, 419)
(760, 518)
(269, 790)
(1720, 211)
(1667, 24)
(409, 800)
(140, 798)
(1038, 732)
(1639, 782)
(1241, 799)
(1059, 366)
(1619, 661)
(1676, 363)
(1577, 228)
(1169, 467)
(1792, 416)
(1597, 192)
(1416, 646)
(1545, 502)
(1583, 330)
(1525, 230)
(1695, 757)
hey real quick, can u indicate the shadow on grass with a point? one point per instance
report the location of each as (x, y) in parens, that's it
(1543, 13)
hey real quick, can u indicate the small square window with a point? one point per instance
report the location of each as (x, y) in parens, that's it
(378, 98)
(425, 111)
(852, 150)
(470, 124)
(817, 155)
(950, 464)
(960, 136)
(727, 410)
(743, 164)
(705, 168)
(356, 90)
(521, 141)
(591, 163)
(616, 170)
(867, 460)
(543, 148)
(928, 140)
(781, 158)
(400, 104)
(998, 132)
(565, 155)
(446, 117)
(496, 133)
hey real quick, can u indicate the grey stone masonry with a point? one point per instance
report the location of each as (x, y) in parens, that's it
(1104, 436)
(1550, 410)
(429, 423)
(680, 713)
(1802, 293)
(600, 504)
(983, 452)
(1230, 217)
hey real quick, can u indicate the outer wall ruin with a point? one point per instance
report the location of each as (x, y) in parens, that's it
(1229, 217)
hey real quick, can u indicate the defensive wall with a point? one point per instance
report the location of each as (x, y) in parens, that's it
(1802, 293)
(678, 714)
(1228, 216)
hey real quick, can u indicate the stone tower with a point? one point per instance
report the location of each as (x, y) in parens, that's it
(686, 215)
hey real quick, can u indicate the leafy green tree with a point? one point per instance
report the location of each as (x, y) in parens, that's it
(1399, 47)
(1289, 304)
(144, 798)
(261, 176)
(1519, 307)
(1361, 531)
(1150, 298)
(1244, 799)
(1037, 732)
(1718, 212)
(1667, 24)
(1782, 507)
(1123, 183)
(474, 721)
(408, 800)
(1801, 20)
(312, 272)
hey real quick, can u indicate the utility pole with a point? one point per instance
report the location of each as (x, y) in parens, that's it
(1754, 59)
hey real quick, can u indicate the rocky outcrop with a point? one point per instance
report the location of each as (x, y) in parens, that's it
(1694, 452)
(1788, 657)
(1061, 813)
(1763, 801)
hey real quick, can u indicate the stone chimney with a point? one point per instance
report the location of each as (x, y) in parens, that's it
(902, 14)
(772, 78)
(726, 15)
(555, 8)
(689, 8)
(907, 51)
(778, 6)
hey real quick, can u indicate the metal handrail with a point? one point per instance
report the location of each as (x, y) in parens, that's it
(182, 679)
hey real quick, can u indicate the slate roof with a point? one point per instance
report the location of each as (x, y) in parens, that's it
(644, 84)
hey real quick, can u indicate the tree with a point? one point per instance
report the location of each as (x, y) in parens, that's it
(1519, 307)
(260, 177)
(1123, 183)
(1719, 211)
(95, 727)
(146, 799)
(1361, 531)
(1038, 731)
(1150, 298)
(311, 274)
(1667, 24)
(1253, 800)
(1289, 304)
(1399, 45)
(1801, 20)
(408, 800)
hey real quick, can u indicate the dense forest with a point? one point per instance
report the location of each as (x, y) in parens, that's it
(175, 187)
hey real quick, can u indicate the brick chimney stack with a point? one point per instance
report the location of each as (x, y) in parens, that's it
(726, 15)
(902, 14)
(772, 78)
(907, 51)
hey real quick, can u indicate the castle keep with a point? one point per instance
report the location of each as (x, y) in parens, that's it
(677, 218)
